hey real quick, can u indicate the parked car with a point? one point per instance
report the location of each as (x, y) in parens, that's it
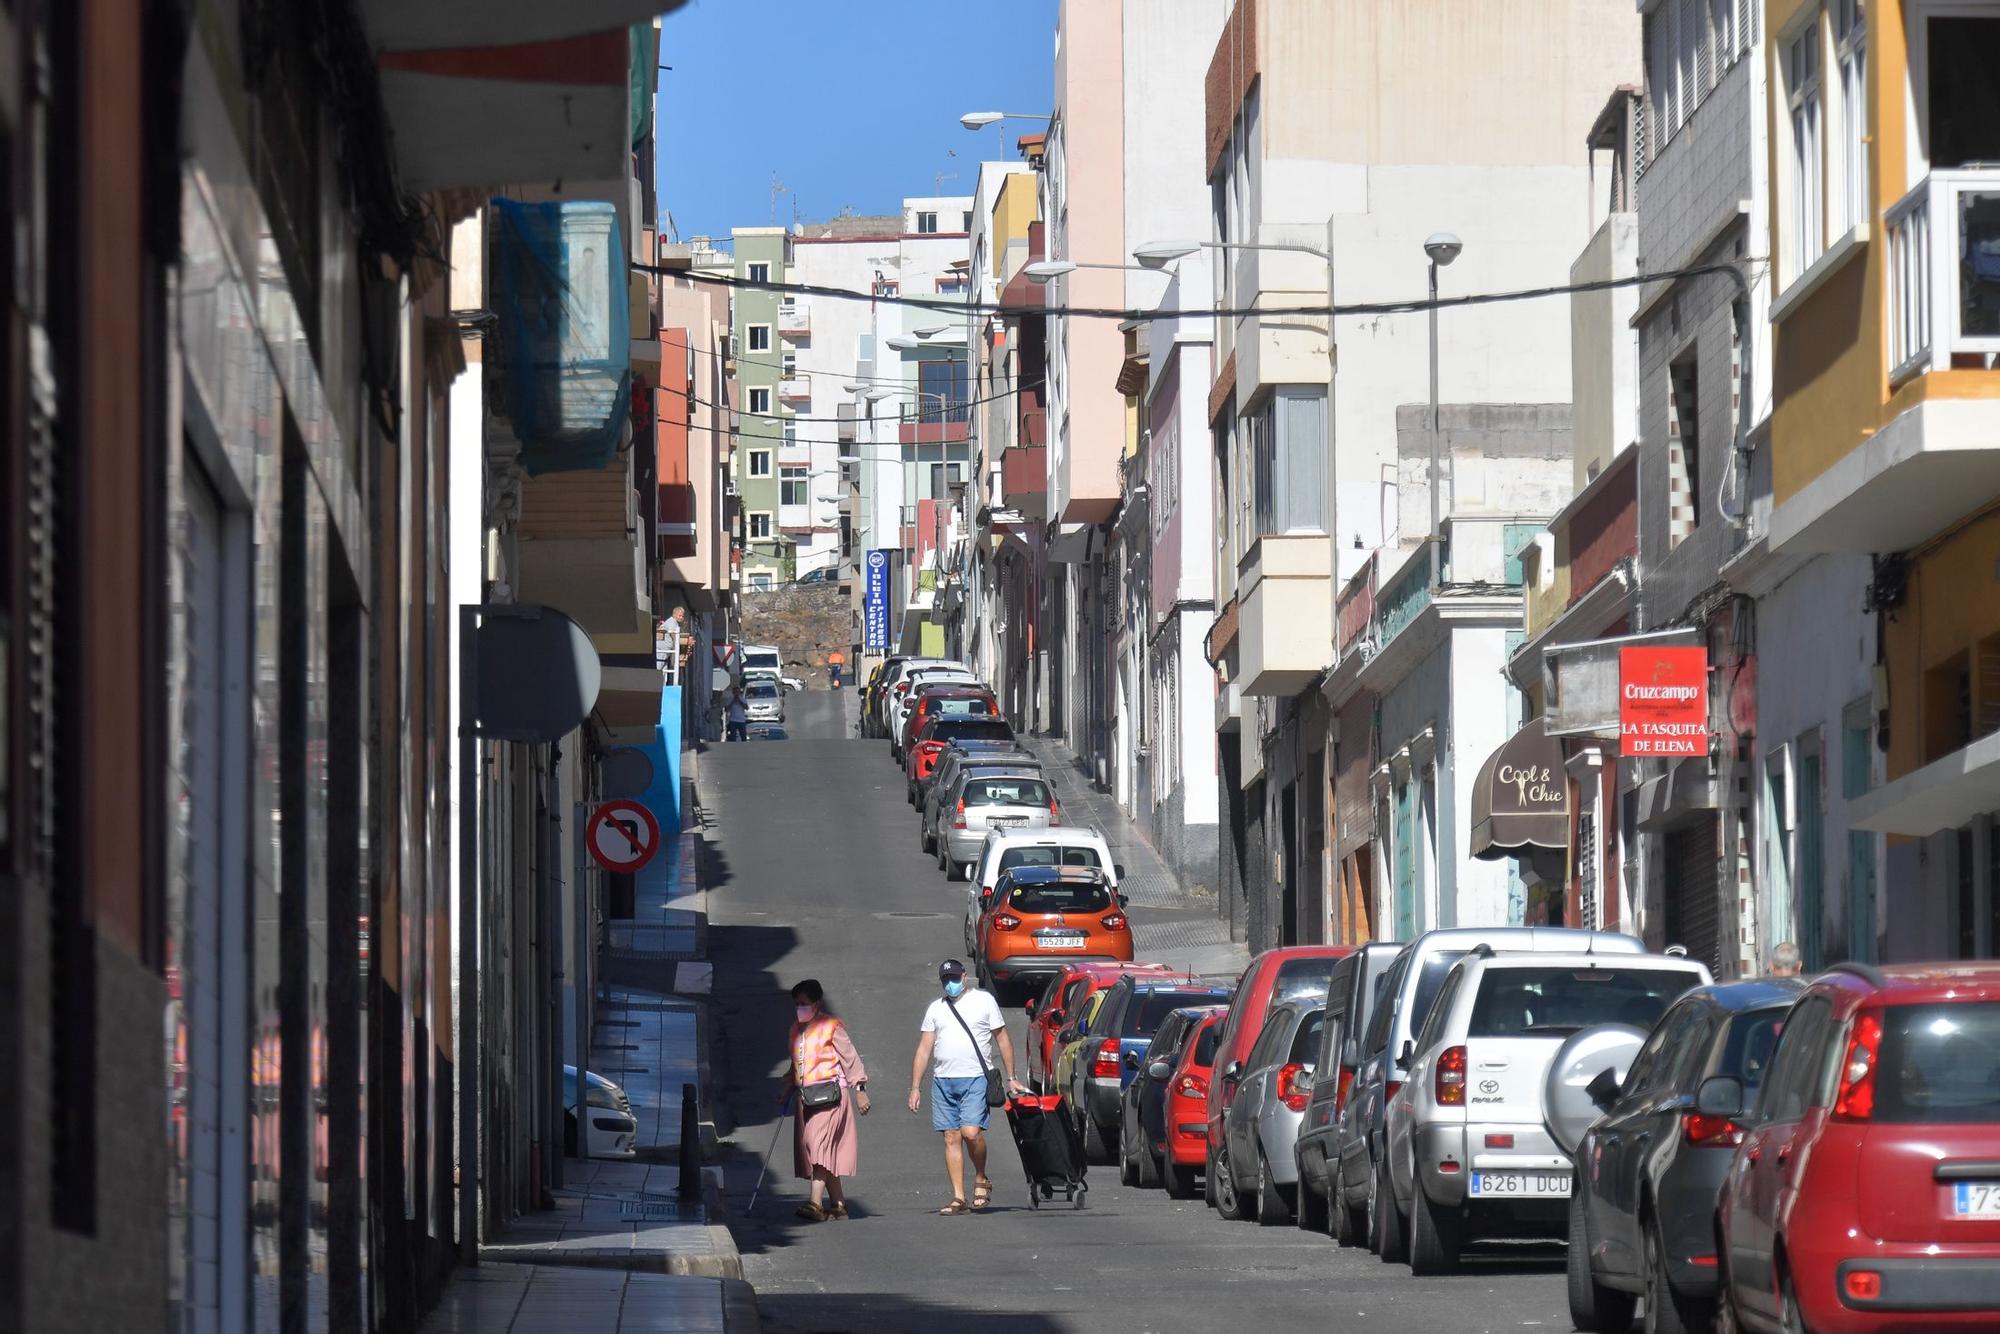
(1411, 986)
(1866, 1193)
(825, 574)
(978, 802)
(1061, 1001)
(1273, 976)
(1469, 1154)
(1005, 849)
(949, 697)
(962, 752)
(612, 1130)
(871, 696)
(922, 756)
(1261, 1126)
(1108, 1053)
(901, 696)
(1142, 1107)
(940, 797)
(766, 701)
(897, 669)
(1043, 917)
(1642, 1218)
(1351, 997)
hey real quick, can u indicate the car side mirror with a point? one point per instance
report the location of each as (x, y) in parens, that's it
(1118, 869)
(1350, 1053)
(1123, 900)
(1232, 1072)
(1603, 1090)
(1159, 1072)
(1719, 1095)
(1131, 1060)
(1407, 1054)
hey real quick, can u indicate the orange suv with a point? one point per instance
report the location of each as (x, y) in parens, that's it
(1041, 919)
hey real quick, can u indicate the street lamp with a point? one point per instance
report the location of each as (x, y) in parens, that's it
(979, 120)
(1045, 270)
(1441, 248)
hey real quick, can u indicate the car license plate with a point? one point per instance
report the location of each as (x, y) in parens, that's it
(1006, 820)
(1059, 942)
(1975, 1199)
(1521, 1185)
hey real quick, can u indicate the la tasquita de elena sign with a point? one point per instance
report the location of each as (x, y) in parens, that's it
(1663, 702)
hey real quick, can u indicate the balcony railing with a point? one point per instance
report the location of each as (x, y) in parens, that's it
(795, 389)
(1404, 600)
(1944, 273)
(794, 320)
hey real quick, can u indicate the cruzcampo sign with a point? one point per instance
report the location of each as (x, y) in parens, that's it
(1663, 702)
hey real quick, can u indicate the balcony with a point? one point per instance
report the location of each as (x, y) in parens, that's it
(794, 320)
(1024, 480)
(581, 553)
(1937, 457)
(1285, 637)
(795, 389)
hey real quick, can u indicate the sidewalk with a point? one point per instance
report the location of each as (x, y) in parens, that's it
(1194, 937)
(620, 1250)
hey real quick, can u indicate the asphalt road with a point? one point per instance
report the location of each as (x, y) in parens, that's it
(817, 873)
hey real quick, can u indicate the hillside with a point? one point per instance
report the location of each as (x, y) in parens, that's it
(805, 622)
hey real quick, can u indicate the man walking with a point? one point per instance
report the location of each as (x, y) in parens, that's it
(739, 716)
(960, 1032)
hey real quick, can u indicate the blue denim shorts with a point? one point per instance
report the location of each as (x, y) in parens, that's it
(958, 1104)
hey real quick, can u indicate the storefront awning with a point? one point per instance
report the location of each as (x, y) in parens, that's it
(1944, 794)
(628, 703)
(1520, 800)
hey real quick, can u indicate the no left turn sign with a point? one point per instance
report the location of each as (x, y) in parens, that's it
(623, 836)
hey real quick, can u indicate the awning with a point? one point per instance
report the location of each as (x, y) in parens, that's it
(1685, 789)
(1944, 794)
(1070, 543)
(1520, 800)
(629, 701)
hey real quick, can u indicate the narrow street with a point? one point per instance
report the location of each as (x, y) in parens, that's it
(817, 874)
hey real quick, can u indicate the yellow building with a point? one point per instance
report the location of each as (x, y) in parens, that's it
(1885, 434)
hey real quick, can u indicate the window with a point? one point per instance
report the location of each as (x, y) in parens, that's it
(789, 365)
(757, 402)
(1793, 1084)
(791, 436)
(1684, 495)
(763, 580)
(792, 485)
(760, 525)
(1288, 449)
(760, 463)
(757, 337)
(1806, 209)
(927, 224)
(887, 287)
(966, 223)
(952, 284)
(757, 272)
(1850, 45)
(941, 390)
(1557, 1001)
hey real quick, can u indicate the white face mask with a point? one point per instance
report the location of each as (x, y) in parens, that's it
(806, 1013)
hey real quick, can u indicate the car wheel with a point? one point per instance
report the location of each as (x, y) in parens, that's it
(1313, 1214)
(1434, 1237)
(1229, 1201)
(1096, 1146)
(1342, 1217)
(1271, 1207)
(1592, 1306)
(1789, 1317)
(1667, 1312)
(925, 838)
(1128, 1171)
(1178, 1180)
(1390, 1241)
(1148, 1165)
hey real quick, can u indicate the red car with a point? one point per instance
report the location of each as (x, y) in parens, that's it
(1274, 975)
(928, 742)
(1186, 1115)
(1866, 1192)
(1063, 999)
(947, 701)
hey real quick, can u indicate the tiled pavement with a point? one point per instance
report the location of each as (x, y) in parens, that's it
(550, 1299)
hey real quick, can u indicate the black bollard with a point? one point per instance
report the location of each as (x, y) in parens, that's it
(690, 1158)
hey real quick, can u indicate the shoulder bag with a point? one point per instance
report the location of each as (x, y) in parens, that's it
(827, 1093)
(996, 1086)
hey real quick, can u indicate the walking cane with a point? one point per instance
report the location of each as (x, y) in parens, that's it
(775, 1132)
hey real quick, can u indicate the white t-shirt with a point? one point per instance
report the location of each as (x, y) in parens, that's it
(953, 1056)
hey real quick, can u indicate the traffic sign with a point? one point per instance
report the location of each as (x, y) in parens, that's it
(623, 836)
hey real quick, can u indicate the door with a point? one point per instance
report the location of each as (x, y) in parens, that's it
(1810, 874)
(1694, 890)
(1760, 1179)
(1294, 883)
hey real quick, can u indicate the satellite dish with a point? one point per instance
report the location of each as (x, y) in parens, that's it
(538, 674)
(1567, 1108)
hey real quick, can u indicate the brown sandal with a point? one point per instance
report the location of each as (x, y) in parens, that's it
(955, 1208)
(982, 1193)
(838, 1210)
(811, 1212)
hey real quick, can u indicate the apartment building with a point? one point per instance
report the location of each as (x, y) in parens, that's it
(770, 554)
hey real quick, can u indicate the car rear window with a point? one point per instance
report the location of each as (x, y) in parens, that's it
(1305, 1043)
(1058, 898)
(959, 708)
(1303, 977)
(1047, 855)
(1429, 982)
(1752, 1042)
(762, 690)
(1204, 1046)
(1006, 792)
(1558, 1001)
(1939, 1064)
(1149, 1009)
(969, 729)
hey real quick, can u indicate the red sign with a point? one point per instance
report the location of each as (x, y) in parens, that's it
(1663, 701)
(622, 836)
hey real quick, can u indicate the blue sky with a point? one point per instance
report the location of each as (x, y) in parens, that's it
(849, 102)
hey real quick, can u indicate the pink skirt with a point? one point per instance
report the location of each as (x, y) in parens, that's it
(827, 1139)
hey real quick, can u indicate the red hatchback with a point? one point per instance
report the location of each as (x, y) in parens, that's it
(946, 701)
(1274, 975)
(1063, 998)
(1186, 1107)
(939, 731)
(1866, 1192)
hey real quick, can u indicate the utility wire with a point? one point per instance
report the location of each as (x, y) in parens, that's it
(951, 405)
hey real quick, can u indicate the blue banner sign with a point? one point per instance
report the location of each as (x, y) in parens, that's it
(875, 603)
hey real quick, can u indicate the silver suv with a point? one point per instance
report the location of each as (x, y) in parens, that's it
(1469, 1152)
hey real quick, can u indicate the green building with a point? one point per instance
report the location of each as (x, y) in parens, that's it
(763, 254)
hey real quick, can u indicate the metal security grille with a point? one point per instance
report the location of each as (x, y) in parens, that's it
(1693, 890)
(1589, 911)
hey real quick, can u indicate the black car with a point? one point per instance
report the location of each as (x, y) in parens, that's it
(1642, 1213)
(1132, 1010)
(1142, 1113)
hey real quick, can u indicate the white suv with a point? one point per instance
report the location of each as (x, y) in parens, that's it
(1470, 1155)
(1003, 850)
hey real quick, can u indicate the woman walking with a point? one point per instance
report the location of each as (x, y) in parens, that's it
(825, 1141)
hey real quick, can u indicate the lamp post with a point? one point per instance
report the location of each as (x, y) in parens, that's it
(1441, 248)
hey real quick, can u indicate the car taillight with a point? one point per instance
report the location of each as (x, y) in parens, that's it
(1390, 1088)
(1104, 1065)
(1289, 1092)
(1857, 1072)
(1449, 1082)
(1005, 921)
(902, 687)
(1193, 1085)
(1342, 1089)
(1710, 1132)
(1115, 922)
(1055, 812)
(958, 815)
